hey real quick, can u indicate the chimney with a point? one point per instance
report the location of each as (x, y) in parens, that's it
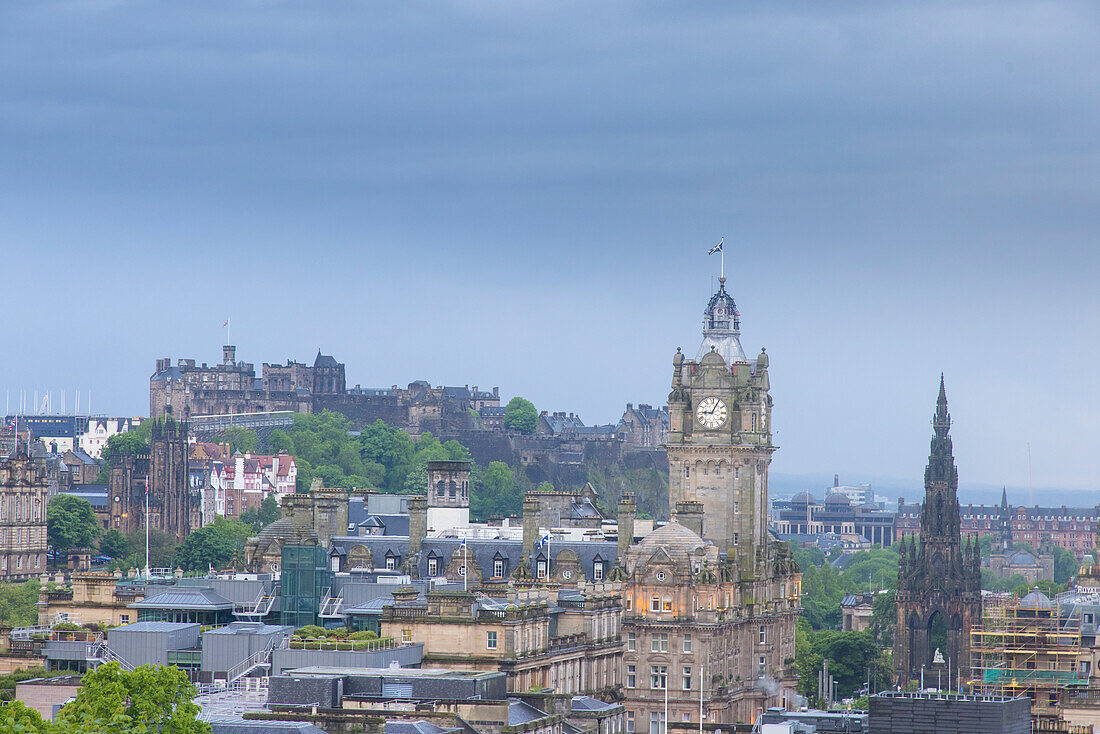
(628, 509)
(496, 392)
(690, 515)
(530, 526)
(836, 480)
(418, 524)
(229, 354)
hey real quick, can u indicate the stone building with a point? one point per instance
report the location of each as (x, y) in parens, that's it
(173, 506)
(565, 640)
(712, 598)
(939, 586)
(644, 426)
(24, 493)
(1032, 566)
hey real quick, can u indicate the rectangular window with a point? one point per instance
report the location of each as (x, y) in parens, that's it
(597, 571)
(498, 568)
(631, 641)
(761, 665)
(540, 569)
(630, 721)
(406, 635)
(687, 643)
(629, 603)
(658, 676)
(659, 642)
(668, 604)
(687, 677)
(655, 604)
(763, 635)
(631, 676)
(736, 508)
(391, 562)
(491, 640)
(657, 722)
(124, 618)
(433, 567)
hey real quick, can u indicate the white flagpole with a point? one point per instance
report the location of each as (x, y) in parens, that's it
(465, 567)
(147, 570)
(701, 679)
(666, 699)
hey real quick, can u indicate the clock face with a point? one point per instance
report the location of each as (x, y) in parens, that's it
(711, 412)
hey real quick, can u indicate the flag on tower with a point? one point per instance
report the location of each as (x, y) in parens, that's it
(226, 324)
(543, 541)
(720, 247)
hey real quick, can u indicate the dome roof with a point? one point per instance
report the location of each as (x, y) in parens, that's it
(286, 531)
(1036, 600)
(804, 498)
(838, 498)
(677, 541)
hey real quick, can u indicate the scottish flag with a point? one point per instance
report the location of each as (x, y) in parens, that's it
(543, 541)
(720, 247)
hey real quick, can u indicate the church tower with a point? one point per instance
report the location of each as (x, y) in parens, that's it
(939, 584)
(719, 440)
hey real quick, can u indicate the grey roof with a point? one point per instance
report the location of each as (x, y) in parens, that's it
(325, 360)
(185, 597)
(152, 627)
(456, 392)
(172, 373)
(414, 727)
(251, 628)
(240, 726)
(1036, 600)
(587, 703)
(393, 524)
(94, 494)
(482, 550)
(491, 411)
(522, 713)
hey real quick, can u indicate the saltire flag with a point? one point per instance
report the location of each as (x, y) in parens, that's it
(543, 541)
(462, 544)
(720, 247)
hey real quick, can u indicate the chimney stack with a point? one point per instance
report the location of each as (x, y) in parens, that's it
(690, 514)
(418, 523)
(628, 509)
(836, 480)
(530, 526)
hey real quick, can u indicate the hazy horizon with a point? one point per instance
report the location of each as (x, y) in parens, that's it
(470, 193)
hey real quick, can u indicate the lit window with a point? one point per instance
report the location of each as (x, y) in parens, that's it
(629, 603)
(491, 640)
(668, 604)
(406, 635)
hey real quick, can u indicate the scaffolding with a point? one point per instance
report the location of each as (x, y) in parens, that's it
(1030, 647)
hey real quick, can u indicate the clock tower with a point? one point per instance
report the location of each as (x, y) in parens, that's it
(719, 439)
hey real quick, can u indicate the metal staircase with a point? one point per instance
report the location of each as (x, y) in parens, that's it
(331, 606)
(259, 659)
(259, 607)
(99, 653)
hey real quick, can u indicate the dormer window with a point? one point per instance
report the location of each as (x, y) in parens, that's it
(391, 561)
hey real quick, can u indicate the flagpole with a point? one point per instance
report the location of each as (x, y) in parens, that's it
(465, 567)
(147, 574)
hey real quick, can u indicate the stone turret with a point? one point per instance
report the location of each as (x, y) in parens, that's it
(418, 528)
(530, 527)
(628, 510)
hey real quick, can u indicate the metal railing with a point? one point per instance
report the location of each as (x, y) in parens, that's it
(259, 659)
(100, 653)
(25, 633)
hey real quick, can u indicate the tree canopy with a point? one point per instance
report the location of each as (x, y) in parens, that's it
(495, 492)
(19, 603)
(267, 513)
(71, 523)
(152, 698)
(520, 415)
(214, 545)
(112, 544)
(851, 656)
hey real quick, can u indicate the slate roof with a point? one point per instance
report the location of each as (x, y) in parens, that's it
(491, 411)
(587, 703)
(481, 550)
(240, 726)
(414, 727)
(95, 494)
(392, 524)
(523, 713)
(325, 360)
(185, 597)
(172, 373)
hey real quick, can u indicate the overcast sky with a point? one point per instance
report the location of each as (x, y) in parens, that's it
(523, 195)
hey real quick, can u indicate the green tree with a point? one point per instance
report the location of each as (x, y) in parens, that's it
(19, 603)
(1066, 564)
(279, 441)
(884, 617)
(130, 443)
(851, 656)
(807, 557)
(241, 439)
(267, 513)
(113, 544)
(162, 549)
(213, 545)
(18, 718)
(822, 591)
(71, 523)
(152, 698)
(520, 415)
(495, 492)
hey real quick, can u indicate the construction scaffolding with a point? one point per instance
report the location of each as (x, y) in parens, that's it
(1030, 647)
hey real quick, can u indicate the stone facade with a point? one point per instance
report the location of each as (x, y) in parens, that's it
(939, 586)
(24, 493)
(711, 599)
(173, 506)
(574, 647)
